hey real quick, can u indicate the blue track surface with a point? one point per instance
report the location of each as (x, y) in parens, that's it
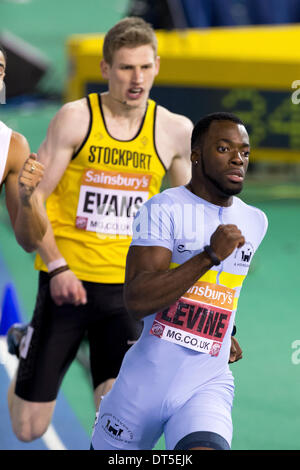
(65, 422)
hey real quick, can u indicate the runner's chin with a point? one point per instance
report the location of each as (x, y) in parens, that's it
(231, 188)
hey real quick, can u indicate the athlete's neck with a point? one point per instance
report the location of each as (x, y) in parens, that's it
(119, 108)
(121, 123)
(216, 199)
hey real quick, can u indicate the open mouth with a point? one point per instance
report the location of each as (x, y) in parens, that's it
(134, 93)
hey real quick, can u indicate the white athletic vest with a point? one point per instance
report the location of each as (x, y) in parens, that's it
(5, 135)
(201, 320)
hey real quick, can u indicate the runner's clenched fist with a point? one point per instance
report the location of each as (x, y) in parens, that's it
(29, 177)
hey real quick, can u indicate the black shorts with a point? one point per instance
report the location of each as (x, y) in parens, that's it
(58, 332)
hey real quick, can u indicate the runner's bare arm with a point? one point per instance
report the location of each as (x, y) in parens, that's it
(179, 172)
(55, 153)
(65, 134)
(20, 189)
(173, 137)
(151, 286)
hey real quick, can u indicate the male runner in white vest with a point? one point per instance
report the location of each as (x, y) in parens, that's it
(191, 250)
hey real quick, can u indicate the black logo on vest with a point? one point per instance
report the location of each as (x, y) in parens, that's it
(243, 255)
(117, 431)
(182, 249)
(115, 428)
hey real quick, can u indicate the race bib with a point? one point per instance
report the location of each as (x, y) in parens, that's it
(198, 320)
(109, 200)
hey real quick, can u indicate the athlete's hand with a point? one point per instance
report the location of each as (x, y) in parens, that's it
(235, 351)
(66, 288)
(225, 239)
(29, 177)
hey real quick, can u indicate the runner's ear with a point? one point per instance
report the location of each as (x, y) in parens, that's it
(104, 66)
(195, 156)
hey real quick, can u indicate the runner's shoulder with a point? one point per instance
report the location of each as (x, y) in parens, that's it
(252, 209)
(70, 123)
(18, 151)
(253, 213)
(178, 124)
(18, 140)
(73, 111)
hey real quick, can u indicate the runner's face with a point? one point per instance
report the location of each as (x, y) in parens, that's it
(2, 69)
(131, 75)
(225, 156)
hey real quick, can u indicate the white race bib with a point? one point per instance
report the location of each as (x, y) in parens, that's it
(109, 200)
(199, 319)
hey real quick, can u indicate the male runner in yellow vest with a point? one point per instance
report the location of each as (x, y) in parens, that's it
(105, 156)
(20, 173)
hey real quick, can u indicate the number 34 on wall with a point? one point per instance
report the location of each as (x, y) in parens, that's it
(273, 118)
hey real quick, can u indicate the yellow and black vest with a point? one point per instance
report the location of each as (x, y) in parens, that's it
(92, 208)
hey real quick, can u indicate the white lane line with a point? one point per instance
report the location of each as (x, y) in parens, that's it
(10, 363)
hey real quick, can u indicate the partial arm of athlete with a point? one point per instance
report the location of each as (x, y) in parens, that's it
(235, 351)
(179, 172)
(63, 137)
(20, 189)
(173, 140)
(151, 286)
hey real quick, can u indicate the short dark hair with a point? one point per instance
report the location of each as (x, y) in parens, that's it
(4, 53)
(202, 126)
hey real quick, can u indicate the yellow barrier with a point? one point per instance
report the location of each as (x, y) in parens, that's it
(248, 71)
